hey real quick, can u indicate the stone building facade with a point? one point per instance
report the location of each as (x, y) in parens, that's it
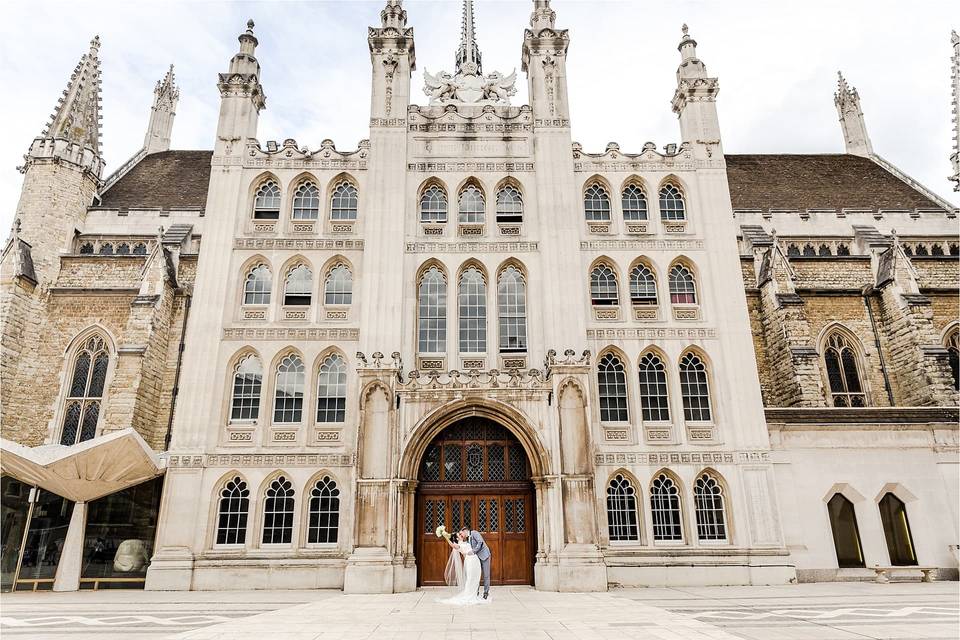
(663, 367)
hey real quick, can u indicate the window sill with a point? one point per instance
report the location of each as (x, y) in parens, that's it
(303, 226)
(606, 313)
(646, 313)
(686, 312)
(342, 226)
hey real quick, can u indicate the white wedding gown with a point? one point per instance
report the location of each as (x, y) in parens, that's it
(471, 579)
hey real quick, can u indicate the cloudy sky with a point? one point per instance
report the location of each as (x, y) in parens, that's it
(777, 64)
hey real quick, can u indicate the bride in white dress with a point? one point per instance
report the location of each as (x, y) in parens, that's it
(463, 570)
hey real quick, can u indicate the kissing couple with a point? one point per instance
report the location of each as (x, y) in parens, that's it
(470, 556)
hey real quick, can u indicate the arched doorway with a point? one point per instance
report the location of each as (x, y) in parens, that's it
(475, 473)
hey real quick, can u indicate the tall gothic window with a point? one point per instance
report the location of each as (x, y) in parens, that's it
(266, 202)
(299, 283)
(344, 202)
(603, 286)
(896, 530)
(306, 202)
(512, 310)
(472, 306)
(471, 205)
(694, 388)
(232, 512)
(622, 521)
(247, 383)
(338, 288)
(256, 287)
(672, 206)
(613, 389)
(433, 205)
(953, 352)
(332, 390)
(846, 534)
(288, 398)
(665, 509)
(278, 512)
(643, 285)
(596, 204)
(711, 514)
(683, 286)
(432, 312)
(634, 203)
(509, 205)
(85, 393)
(842, 372)
(324, 519)
(654, 400)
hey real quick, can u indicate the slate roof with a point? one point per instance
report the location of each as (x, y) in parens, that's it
(168, 180)
(817, 181)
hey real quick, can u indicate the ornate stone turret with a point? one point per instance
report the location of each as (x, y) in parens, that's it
(165, 97)
(241, 97)
(544, 58)
(694, 101)
(851, 119)
(393, 57)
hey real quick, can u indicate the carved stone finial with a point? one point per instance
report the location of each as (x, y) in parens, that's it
(685, 29)
(250, 26)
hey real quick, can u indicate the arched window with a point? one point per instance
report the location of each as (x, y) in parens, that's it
(809, 250)
(643, 285)
(433, 205)
(634, 203)
(596, 204)
(338, 288)
(936, 250)
(298, 285)
(613, 389)
(654, 400)
(509, 205)
(711, 514)
(472, 305)
(247, 383)
(344, 203)
(908, 250)
(266, 202)
(683, 286)
(512, 310)
(672, 206)
(793, 250)
(278, 512)
(824, 250)
(85, 393)
(622, 521)
(843, 250)
(324, 512)
(140, 249)
(471, 205)
(288, 399)
(842, 372)
(232, 512)
(306, 202)
(953, 249)
(953, 353)
(86, 248)
(106, 249)
(896, 529)
(332, 390)
(123, 249)
(256, 288)
(665, 509)
(432, 313)
(846, 535)
(694, 388)
(921, 250)
(603, 286)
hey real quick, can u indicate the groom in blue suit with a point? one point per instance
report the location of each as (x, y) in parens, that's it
(479, 548)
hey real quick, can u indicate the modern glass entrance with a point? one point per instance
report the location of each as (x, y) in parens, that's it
(34, 528)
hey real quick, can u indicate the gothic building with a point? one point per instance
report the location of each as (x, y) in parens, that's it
(260, 365)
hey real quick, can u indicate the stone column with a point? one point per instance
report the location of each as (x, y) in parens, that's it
(71, 556)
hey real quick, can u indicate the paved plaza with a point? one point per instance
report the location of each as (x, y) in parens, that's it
(834, 611)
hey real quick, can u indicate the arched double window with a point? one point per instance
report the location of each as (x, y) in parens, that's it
(711, 512)
(85, 393)
(512, 310)
(643, 285)
(232, 511)
(306, 201)
(694, 388)
(612, 381)
(344, 202)
(596, 203)
(266, 201)
(278, 510)
(472, 307)
(123, 249)
(247, 384)
(509, 205)
(672, 207)
(843, 374)
(953, 353)
(665, 509)
(433, 205)
(257, 285)
(603, 286)
(654, 398)
(338, 287)
(332, 390)
(683, 286)
(846, 534)
(106, 249)
(298, 287)
(896, 530)
(634, 203)
(324, 517)
(432, 312)
(622, 520)
(471, 205)
(140, 249)
(288, 397)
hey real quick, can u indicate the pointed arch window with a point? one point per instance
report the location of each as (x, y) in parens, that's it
(256, 287)
(344, 202)
(683, 286)
(432, 312)
(324, 519)
(896, 530)
(953, 353)
(106, 249)
(288, 398)
(694, 388)
(665, 509)
(634, 203)
(306, 202)
(846, 534)
(433, 205)
(603, 286)
(643, 285)
(85, 393)
(266, 201)
(472, 306)
(710, 508)
(86, 248)
(123, 249)
(232, 512)
(278, 509)
(843, 373)
(471, 205)
(512, 310)
(654, 399)
(509, 205)
(247, 385)
(622, 521)
(338, 288)
(332, 390)
(672, 207)
(613, 389)
(297, 291)
(140, 249)
(596, 204)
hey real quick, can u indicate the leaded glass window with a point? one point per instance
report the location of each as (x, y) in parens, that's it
(306, 202)
(496, 469)
(671, 204)
(711, 515)
(694, 388)
(518, 462)
(622, 524)
(324, 520)
(613, 389)
(471, 205)
(106, 249)
(288, 399)
(140, 249)
(683, 287)
(665, 509)
(453, 462)
(247, 382)
(278, 509)
(232, 512)
(433, 205)
(643, 285)
(332, 390)
(256, 287)
(430, 468)
(603, 286)
(86, 248)
(338, 288)
(474, 463)
(472, 306)
(953, 353)
(596, 204)
(842, 372)
(654, 398)
(299, 284)
(266, 201)
(634, 203)
(509, 205)
(512, 310)
(85, 393)
(344, 203)
(123, 249)
(432, 313)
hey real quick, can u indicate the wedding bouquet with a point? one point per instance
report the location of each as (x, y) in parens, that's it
(442, 533)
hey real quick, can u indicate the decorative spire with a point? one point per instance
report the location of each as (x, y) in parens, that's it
(77, 116)
(852, 123)
(543, 17)
(955, 72)
(468, 52)
(165, 97)
(393, 16)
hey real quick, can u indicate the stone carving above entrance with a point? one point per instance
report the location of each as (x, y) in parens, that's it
(417, 380)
